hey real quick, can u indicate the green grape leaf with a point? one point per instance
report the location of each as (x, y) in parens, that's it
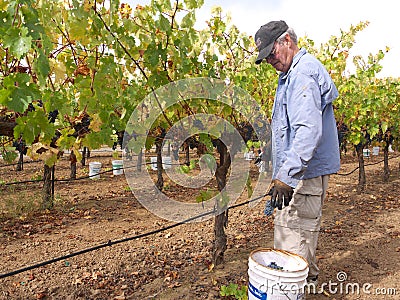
(78, 30)
(191, 4)
(35, 125)
(164, 24)
(188, 20)
(17, 41)
(42, 64)
(9, 156)
(18, 92)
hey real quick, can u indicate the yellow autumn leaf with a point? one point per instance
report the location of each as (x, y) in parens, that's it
(95, 123)
(87, 5)
(76, 147)
(125, 10)
(240, 237)
(43, 152)
(3, 5)
(78, 155)
(214, 281)
(211, 267)
(58, 69)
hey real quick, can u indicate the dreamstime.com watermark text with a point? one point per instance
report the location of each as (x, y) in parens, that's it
(339, 286)
(344, 287)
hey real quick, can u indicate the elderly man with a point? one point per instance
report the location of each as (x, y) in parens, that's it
(305, 141)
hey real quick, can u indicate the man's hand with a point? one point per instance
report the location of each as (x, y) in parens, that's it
(281, 193)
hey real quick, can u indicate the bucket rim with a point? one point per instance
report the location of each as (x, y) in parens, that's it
(285, 252)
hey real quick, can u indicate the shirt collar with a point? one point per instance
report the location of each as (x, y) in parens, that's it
(295, 60)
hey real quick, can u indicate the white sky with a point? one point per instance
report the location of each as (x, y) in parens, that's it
(319, 19)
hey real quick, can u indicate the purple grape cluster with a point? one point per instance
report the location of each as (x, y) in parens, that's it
(269, 209)
(273, 265)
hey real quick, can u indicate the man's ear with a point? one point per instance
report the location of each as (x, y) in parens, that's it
(288, 40)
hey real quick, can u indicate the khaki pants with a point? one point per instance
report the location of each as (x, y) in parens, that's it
(296, 227)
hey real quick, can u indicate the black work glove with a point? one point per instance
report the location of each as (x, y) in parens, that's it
(281, 193)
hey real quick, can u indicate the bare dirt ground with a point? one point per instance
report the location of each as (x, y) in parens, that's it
(360, 237)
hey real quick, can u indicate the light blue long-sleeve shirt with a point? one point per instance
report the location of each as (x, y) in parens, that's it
(305, 140)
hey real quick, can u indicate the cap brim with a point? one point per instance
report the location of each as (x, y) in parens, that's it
(264, 53)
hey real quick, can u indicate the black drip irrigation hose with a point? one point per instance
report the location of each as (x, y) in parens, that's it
(371, 164)
(111, 243)
(21, 182)
(15, 164)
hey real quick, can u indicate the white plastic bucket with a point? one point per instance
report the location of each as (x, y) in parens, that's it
(249, 155)
(375, 151)
(366, 153)
(153, 163)
(94, 169)
(117, 166)
(166, 162)
(272, 284)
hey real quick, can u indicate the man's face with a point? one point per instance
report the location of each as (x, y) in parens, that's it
(281, 55)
